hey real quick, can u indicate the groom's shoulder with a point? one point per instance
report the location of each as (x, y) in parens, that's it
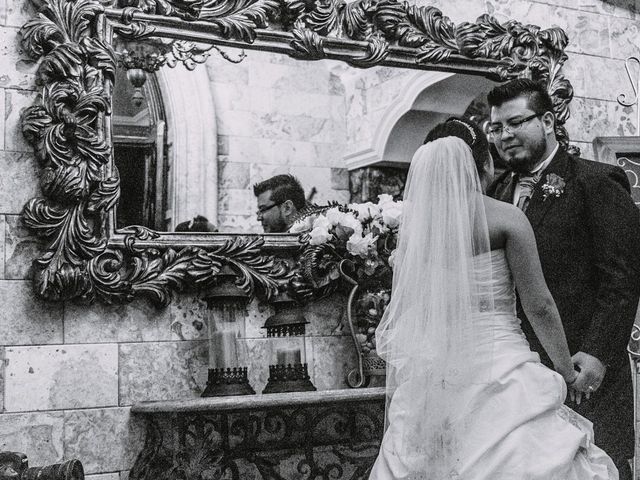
(591, 171)
(585, 169)
(591, 167)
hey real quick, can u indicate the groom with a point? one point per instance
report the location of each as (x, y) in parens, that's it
(587, 230)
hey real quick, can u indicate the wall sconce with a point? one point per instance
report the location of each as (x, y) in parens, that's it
(288, 371)
(137, 77)
(138, 62)
(226, 314)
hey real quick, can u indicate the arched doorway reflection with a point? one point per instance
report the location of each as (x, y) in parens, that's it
(165, 148)
(140, 153)
(428, 99)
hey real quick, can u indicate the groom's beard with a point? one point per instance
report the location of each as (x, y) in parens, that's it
(525, 159)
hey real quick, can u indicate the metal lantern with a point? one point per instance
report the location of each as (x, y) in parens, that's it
(226, 311)
(288, 370)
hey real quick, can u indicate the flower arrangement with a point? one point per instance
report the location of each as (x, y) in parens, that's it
(355, 243)
(363, 233)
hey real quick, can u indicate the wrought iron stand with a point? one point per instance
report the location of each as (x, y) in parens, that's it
(329, 434)
(369, 363)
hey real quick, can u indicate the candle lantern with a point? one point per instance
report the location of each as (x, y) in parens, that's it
(288, 371)
(226, 312)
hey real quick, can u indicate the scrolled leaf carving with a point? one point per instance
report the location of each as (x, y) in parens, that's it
(355, 20)
(67, 183)
(100, 56)
(239, 18)
(120, 275)
(184, 9)
(60, 272)
(65, 61)
(438, 28)
(108, 283)
(377, 50)
(308, 44)
(63, 283)
(64, 129)
(325, 17)
(105, 196)
(157, 274)
(255, 271)
(59, 23)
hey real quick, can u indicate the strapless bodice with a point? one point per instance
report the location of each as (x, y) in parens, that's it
(494, 276)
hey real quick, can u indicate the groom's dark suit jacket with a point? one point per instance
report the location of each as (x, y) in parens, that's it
(589, 245)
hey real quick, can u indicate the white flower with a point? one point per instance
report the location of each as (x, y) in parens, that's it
(350, 221)
(383, 199)
(365, 210)
(322, 222)
(333, 215)
(391, 213)
(319, 235)
(359, 245)
(302, 225)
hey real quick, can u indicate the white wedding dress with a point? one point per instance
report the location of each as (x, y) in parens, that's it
(516, 426)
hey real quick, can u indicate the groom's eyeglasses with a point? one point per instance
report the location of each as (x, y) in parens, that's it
(262, 210)
(497, 129)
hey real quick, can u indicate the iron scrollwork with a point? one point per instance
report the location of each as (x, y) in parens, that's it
(68, 125)
(337, 441)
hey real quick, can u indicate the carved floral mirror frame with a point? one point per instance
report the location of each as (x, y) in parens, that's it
(69, 126)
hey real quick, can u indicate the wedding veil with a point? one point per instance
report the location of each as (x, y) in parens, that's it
(428, 333)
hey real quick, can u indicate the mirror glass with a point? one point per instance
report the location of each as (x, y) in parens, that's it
(190, 145)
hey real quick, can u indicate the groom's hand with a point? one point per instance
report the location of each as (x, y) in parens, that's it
(592, 373)
(578, 387)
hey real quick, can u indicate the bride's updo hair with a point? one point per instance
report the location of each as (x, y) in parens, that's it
(470, 133)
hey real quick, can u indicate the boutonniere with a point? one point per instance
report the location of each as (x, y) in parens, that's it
(553, 186)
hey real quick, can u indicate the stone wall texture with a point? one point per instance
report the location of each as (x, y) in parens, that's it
(276, 115)
(69, 373)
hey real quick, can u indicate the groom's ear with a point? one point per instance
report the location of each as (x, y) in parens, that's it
(548, 122)
(288, 208)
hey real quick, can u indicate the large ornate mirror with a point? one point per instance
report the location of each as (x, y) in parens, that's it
(153, 113)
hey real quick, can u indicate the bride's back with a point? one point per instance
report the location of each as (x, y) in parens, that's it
(501, 221)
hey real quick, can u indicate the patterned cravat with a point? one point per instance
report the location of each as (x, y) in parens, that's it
(526, 182)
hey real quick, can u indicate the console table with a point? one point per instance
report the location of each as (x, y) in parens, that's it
(331, 434)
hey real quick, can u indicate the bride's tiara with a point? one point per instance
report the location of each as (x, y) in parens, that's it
(467, 126)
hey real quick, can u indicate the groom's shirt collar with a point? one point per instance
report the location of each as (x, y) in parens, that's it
(539, 168)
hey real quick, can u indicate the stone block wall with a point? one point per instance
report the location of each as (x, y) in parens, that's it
(276, 115)
(69, 373)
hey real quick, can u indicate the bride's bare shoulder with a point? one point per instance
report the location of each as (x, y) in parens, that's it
(503, 219)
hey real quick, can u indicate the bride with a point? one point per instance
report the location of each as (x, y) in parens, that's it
(466, 397)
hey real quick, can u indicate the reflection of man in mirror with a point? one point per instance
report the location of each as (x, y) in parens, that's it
(279, 200)
(197, 224)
